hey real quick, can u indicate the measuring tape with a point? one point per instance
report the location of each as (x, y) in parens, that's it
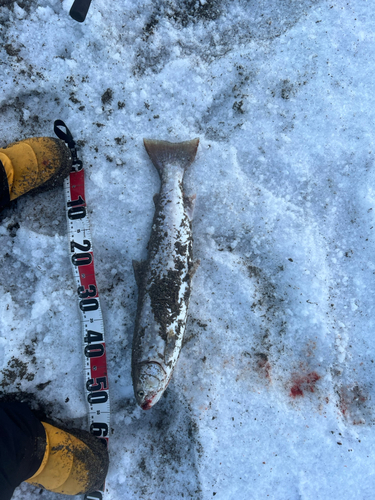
(82, 259)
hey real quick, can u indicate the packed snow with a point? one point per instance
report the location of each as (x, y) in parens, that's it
(272, 396)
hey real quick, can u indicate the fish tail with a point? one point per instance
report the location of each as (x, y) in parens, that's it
(164, 153)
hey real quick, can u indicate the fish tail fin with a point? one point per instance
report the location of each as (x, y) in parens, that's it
(164, 153)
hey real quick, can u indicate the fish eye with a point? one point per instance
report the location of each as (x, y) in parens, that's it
(141, 394)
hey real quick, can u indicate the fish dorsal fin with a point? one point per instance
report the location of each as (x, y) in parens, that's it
(163, 153)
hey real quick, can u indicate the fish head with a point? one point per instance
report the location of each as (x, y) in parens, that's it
(151, 381)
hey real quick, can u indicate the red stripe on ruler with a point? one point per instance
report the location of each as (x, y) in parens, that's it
(87, 275)
(77, 185)
(98, 366)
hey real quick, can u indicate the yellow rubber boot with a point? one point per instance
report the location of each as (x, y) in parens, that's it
(38, 163)
(74, 462)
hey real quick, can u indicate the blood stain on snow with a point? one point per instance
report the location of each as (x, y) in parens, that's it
(303, 383)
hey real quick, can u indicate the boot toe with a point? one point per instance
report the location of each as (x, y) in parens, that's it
(36, 164)
(53, 159)
(75, 462)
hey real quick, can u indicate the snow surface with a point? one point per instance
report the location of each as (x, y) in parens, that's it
(273, 393)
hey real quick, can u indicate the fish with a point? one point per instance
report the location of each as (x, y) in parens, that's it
(164, 278)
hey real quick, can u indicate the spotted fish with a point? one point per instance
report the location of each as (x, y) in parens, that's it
(164, 279)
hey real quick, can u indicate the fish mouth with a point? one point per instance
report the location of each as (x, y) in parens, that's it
(147, 405)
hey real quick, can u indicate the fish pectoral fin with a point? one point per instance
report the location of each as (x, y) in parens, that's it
(139, 271)
(170, 346)
(170, 335)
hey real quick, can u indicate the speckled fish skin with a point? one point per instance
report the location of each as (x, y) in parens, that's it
(164, 280)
